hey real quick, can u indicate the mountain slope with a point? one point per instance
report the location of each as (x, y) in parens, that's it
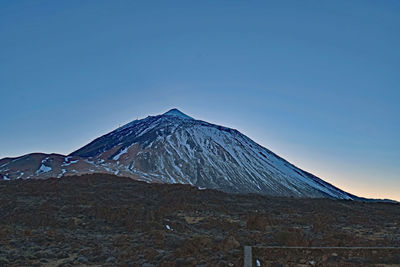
(175, 148)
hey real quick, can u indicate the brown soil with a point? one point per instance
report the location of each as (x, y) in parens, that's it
(108, 220)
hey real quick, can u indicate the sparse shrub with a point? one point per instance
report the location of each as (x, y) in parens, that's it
(258, 222)
(292, 237)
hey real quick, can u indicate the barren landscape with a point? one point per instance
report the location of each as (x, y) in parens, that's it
(108, 220)
(200, 133)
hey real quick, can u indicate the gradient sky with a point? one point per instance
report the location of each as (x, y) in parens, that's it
(317, 82)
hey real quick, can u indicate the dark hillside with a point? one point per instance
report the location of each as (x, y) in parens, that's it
(97, 219)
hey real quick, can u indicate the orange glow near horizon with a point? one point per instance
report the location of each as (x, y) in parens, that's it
(359, 184)
(347, 176)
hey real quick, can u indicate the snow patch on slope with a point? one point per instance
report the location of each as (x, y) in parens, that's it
(123, 151)
(43, 169)
(63, 171)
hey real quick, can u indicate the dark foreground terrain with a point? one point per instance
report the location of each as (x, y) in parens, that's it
(108, 220)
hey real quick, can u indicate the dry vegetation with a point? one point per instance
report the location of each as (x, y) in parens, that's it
(107, 220)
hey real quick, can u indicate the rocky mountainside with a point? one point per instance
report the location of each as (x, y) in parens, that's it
(175, 148)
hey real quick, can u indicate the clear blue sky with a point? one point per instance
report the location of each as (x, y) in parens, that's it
(317, 82)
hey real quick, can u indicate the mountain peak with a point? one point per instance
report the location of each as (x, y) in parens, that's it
(177, 113)
(174, 148)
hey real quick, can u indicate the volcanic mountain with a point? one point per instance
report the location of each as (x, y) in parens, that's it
(176, 148)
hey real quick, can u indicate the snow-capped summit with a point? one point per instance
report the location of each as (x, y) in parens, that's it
(175, 148)
(177, 113)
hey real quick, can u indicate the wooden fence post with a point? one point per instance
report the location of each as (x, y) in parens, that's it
(248, 261)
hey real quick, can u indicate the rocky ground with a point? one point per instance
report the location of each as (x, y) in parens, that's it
(109, 220)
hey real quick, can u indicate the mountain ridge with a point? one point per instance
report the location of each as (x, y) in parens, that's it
(176, 148)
